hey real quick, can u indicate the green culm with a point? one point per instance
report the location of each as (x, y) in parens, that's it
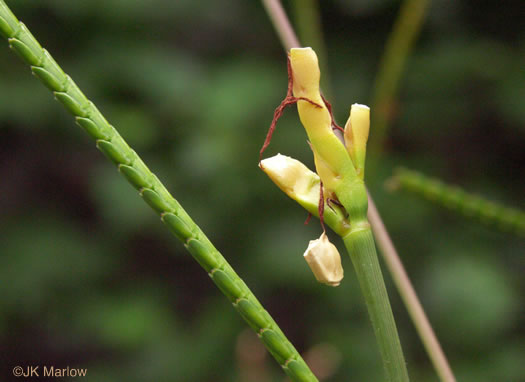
(130, 165)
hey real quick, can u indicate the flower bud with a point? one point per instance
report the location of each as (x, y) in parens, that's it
(329, 179)
(306, 74)
(314, 115)
(356, 135)
(324, 261)
(302, 185)
(293, 178)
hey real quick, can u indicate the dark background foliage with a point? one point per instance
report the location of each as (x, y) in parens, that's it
(90, 278)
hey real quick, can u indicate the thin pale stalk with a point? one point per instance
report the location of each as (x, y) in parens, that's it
(409, 296)
(362, 251)
(398, 47)
(281, 24)
(131, 166)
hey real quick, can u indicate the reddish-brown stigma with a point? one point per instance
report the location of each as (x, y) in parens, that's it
(329, 107)
(308, 218)
(321, 206)
(288, 100)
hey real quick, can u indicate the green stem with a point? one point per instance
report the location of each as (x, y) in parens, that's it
(362, 250)
(131, 166)
(398, 47)
(360, 245)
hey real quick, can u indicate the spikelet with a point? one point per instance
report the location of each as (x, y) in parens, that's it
(324, 260)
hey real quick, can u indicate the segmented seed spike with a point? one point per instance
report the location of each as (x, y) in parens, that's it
(154, 193)
(456, 199)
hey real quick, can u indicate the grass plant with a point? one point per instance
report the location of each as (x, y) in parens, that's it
(340, 174)
(341, 171)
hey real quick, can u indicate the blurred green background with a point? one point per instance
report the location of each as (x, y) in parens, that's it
(90, 278)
